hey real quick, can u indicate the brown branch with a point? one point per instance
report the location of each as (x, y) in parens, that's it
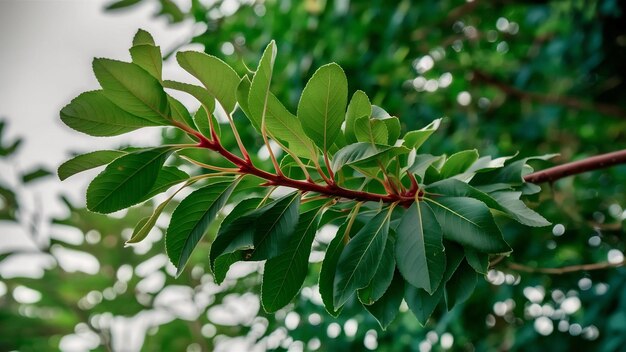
(577, 167)
(569, 102)
(565, 269)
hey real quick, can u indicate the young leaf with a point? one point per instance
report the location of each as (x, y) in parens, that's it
(132, 89)
(419, 301)
(386, 308)
(360, 258)
(329, 267)
(468, 221)
(458, 162)
(415, 139)
(419, 248)
(370, 131)
(148, 57)
(217, 76)
(126, 180)
(461, 285)
(384, 274)
(322, 106)
(92, 113)
(207, 101)
(143, 37)
(191, 219)
(87, 161)
(421, 163)
(201, 121)
(393, 129)
(283, 275)
(142, 229)
(359, 107)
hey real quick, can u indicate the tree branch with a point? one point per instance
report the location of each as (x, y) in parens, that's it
(577, 167)
(565, 269)
(569, 102)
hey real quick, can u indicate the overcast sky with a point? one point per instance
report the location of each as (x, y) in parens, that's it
(46, 49)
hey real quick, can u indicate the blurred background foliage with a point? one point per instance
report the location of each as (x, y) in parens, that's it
(510, 76)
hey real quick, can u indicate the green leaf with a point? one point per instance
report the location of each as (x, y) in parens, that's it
(329, 267)
(143, 37)
(132, 89)
(393, 129)
(322, 106)
(92, 113)
(180, 112)
(148, 57)
(478, 261)
(87, 161)
(283, 275)
(168, 177)
(360, 258)
(386, 308)
(236, 233)
(243, 93)
(259, 93)
(207, 101)
(35, 174)
(468, 221)
(415, 139)
(506, 202)
(191, 220)
(126, 180)
(421, 163)
(143, 227)
(423, 304)
(370, 131)
(461, 285)
(284, 126)
(364, 154)
(458, 163)
(217, 76)
(419, 248)
(384, 274)
(359, 107)
(201, 121)
(121, 4)
(275, 226)
(512, 173)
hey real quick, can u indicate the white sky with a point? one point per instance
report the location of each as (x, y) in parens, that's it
(46, 49)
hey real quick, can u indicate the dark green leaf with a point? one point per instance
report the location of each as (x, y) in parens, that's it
(126, 180)
(191, 219)
(283, 275)
(384, 274)
(329, 267)
(360, 258)
(386, 308)
(478, 261)
(364, 154)
(34, 175)
(419, 248)
(461, 285)
(168, 177)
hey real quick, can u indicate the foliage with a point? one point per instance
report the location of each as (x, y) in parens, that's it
(399, 208)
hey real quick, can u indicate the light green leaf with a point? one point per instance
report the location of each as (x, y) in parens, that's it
(360, 258)
(143, 37)
(195, 91)
(142, 229)
(516, 208)
(201, 121)
(329, 267)
(132, 89)
(284, 126)
(364, 154)
(458, 163)
(384, 274)
(148, 57)
(415, 139)
(218, 77)
(243, 93)
(191, 220)
(322, 106)
(461, 285)
(359, 107)
(393, 129)
(126, 180)
(87, 161)
(92, 113)
(180, 112)
(283, 275)
(386, 308)
(421, 163)
(259, 92)
(419, 248)
(512, 173)
(469, 222)
(371, 131)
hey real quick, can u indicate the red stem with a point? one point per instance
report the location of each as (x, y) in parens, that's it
(332, 190)
(577, 167)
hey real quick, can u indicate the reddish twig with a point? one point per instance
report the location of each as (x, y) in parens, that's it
(577, 167)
